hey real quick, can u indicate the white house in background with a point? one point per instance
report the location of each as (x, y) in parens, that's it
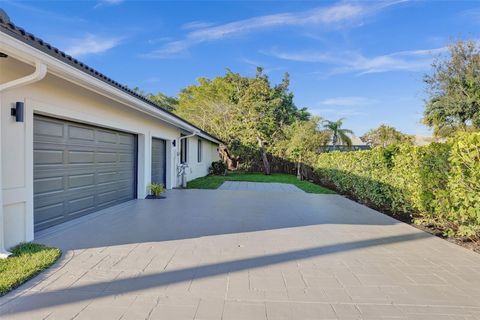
(74, 141)
(357, 144)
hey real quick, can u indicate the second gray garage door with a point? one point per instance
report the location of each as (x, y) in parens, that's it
(159, 161)
(79, 169)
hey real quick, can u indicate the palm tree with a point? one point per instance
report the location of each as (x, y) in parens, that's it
(337, 133)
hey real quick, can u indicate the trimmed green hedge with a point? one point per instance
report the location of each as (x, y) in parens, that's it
(437, 184)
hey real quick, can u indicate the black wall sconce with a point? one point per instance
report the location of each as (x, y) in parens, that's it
(174, 143)
(18, 111)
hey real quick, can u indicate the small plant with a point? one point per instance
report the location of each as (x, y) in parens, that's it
(156, 189)
(218, 168)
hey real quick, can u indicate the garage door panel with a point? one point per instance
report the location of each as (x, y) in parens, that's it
(51, 198)
(108, 197)
(128, 140)
(45, 157)
(126, 157)
(90, 169)
(49, 213)
(81, 133)
(107, 137)
(106, 157)
(78, 205)
(81, 180)
(46, 128)
(48, 185)
(78, 157)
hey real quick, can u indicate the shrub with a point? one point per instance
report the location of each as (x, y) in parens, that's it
(438, 183)
(156, 189)
(218, 168)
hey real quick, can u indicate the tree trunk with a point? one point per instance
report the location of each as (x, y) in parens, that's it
(232, 164)
(334, 142)
(266, 164)
(299, 171)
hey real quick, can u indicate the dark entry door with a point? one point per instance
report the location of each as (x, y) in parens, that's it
(159, 161)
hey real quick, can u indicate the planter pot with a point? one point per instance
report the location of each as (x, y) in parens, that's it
(153, 197)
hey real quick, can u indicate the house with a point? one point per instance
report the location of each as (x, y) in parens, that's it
(74, 141)
(357, 144)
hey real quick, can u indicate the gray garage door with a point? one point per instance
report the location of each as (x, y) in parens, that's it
(159, 161)
(79, 169)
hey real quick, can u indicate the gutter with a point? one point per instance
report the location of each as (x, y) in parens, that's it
(196, 133)
(39, 73)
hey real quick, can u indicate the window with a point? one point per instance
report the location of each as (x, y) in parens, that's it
(183, 150)
(199, 151)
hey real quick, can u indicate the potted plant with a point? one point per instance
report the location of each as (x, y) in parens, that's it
(156, 190)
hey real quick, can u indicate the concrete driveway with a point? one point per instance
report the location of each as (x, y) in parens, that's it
(221, 254)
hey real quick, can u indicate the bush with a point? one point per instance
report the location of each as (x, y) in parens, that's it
(438, 183)
(156, 189)
(218, 168)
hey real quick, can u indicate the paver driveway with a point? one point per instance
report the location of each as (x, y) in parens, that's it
(212, 254)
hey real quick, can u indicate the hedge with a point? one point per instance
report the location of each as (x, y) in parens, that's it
(438, 184)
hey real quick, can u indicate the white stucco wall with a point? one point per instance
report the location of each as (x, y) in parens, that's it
(58, 98)
(209, 154)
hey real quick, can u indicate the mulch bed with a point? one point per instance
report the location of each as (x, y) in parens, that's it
(152, 197)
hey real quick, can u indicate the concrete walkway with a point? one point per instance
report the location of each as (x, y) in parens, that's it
(213, 254)
(259, 186)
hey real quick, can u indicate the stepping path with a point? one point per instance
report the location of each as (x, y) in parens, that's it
(259, 186)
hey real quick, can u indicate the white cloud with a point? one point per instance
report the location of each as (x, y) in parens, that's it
(347, 101)
(171, 49)
(91, 44)
(108, 3)
(344, 62)
(335, 15)
(196, 25)
(331, 112)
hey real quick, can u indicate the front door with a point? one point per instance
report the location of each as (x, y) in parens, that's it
(159, 161)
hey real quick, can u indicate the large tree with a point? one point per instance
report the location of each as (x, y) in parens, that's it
(384, 136)
(248, 113)
(163, 100)
(303, 140)
(453, 90)
(338, 134)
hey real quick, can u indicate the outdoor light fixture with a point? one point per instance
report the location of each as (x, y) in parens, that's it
(3, 55)
(17, 112)
(174, 143)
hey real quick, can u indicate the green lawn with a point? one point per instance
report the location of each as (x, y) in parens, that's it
(213, 182)
(27, 260)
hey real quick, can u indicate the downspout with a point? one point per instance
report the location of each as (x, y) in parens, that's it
(39, 73)
(182, 167)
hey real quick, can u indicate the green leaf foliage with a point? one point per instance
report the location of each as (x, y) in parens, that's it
(437, 184)
(453, 90)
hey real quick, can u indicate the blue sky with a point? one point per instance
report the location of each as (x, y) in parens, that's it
(361, 60)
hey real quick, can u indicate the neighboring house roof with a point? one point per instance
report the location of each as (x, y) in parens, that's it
(7, 27)
(420, 140)
(356, 141)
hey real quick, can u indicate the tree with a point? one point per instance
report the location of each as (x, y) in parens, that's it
(248, 113)
(384, 136)
(453, 90)
(304, 139)
(337, 134)
(164, 101)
